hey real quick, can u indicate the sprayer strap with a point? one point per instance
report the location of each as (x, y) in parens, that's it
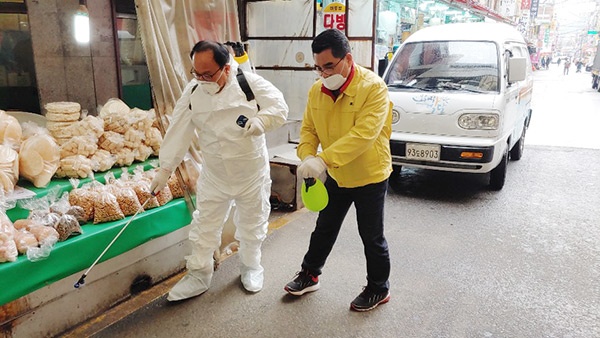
(244, 85)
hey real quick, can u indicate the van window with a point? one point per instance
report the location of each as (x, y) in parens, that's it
(446, 65)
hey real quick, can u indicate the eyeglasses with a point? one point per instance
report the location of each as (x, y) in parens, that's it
(206, 77)
(327, 70)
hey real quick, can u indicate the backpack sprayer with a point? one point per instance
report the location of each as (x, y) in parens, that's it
(240, 55)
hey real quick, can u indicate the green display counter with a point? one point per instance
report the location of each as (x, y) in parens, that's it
(77, 253)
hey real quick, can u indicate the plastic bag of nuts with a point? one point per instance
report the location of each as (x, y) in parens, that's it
(141, 186)
(126, 197)
(51, 219)
(61, 205)
(84, 197)
(142, 191)
(106, 207)
(175, 187)
(66, 227)
(77, 212)
(165, 195)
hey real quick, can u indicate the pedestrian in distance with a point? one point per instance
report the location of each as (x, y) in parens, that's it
(566, 67)
(235, 165)
(349, 115)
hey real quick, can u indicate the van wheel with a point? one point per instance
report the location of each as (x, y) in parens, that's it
(498, 174)
(517, 150)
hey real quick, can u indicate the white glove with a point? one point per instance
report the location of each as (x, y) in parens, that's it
(312, 167)
(255, 126)
(159, 182)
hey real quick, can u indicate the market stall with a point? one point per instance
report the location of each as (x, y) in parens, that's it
(69, 184)
(79, 252)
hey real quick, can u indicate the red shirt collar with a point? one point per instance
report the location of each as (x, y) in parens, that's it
(342, 88)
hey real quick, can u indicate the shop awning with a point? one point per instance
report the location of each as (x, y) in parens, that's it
(479, 9)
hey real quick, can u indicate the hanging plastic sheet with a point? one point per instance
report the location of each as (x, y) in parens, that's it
(170, 28)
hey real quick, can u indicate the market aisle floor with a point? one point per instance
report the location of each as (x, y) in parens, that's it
(466, 262)
(227, 310)
(565, 109)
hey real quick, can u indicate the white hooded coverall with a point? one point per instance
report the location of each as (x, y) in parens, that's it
(235, 168)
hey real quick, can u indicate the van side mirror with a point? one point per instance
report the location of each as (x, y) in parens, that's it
(517, 69)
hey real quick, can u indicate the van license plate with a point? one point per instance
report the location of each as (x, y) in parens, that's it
(418, 151)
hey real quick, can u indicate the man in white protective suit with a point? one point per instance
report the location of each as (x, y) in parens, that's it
(235, 163)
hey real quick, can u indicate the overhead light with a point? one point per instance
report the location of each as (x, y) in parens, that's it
(81, 25)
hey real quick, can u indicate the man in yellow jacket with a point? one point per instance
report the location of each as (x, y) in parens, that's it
(349, 114)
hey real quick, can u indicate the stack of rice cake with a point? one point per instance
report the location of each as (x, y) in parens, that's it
(60, 116)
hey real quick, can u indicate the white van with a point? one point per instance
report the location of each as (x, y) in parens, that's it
(462, 99)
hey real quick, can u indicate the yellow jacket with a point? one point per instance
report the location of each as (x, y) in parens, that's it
(354, 131)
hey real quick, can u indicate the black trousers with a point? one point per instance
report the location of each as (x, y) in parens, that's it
(369, 203)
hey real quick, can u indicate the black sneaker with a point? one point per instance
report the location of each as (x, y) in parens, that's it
(303, 283)
(368, 300)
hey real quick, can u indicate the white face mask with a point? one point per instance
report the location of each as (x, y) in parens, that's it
(209, 87)
(335, 81)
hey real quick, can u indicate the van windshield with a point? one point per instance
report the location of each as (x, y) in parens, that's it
(446, 65)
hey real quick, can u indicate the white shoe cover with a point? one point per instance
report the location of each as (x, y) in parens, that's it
(252, 279)
(191, 285)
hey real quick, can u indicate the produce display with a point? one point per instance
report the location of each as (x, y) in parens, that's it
(75, 148)
(52, 221)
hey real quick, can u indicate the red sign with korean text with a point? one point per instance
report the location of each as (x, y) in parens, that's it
(334, 16)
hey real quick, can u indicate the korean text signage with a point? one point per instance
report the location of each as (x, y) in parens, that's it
(334, 16)
(534, 8)
(507, 7)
